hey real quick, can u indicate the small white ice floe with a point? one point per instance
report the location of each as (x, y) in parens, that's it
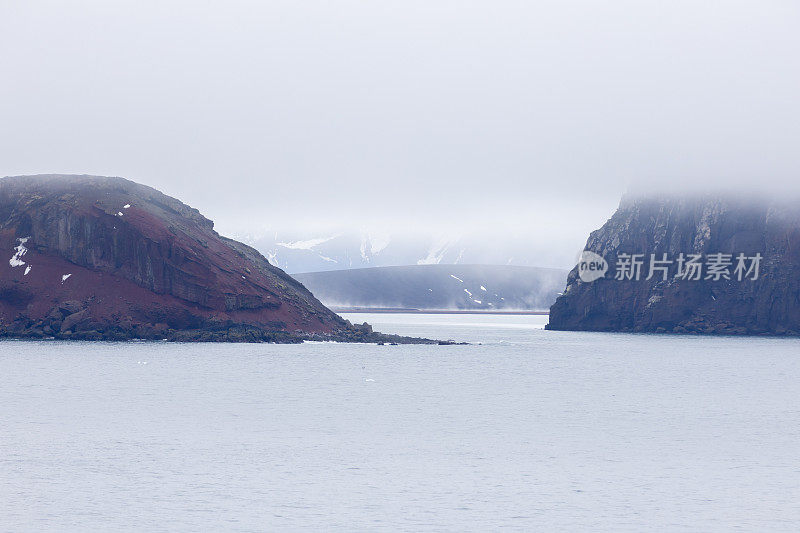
(19, 251)
(27, 270)
(65, 277)
(483, 288)
(456, 278)
(141, 362)
(119, 213)
(368, 379)
(126, 206)
(469, 293)
(477, 301)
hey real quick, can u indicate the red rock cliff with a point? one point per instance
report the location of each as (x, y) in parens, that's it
(97, 257)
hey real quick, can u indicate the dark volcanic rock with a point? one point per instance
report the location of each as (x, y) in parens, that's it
(769, 305)
(106, 258)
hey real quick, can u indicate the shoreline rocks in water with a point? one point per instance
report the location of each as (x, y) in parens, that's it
(666, 227)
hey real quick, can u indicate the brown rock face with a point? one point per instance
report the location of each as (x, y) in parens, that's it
(95, 257)
(769, 305)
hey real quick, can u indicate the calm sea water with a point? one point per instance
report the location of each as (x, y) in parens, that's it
(530, 430)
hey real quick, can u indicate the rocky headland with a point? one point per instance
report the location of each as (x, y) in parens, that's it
(757, 295)
(99, 258)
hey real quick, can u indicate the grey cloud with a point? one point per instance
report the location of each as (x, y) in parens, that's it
(530, 117)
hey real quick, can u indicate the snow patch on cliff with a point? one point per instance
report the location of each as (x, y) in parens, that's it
(372, 244)
(379, 242)
(19, 252)
(307, 244)
(435, 253)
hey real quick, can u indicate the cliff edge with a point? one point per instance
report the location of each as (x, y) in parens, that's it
(92, 257)
(710, 264)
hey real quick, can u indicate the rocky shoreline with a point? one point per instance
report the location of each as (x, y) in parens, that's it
(71, 321)
(107, 259)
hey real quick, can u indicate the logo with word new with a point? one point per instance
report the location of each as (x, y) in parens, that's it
(591, 266)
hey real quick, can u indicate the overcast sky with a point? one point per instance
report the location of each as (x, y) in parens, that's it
(528, 116)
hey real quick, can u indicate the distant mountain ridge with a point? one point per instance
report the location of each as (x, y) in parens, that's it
(461, 287)
(297, 252)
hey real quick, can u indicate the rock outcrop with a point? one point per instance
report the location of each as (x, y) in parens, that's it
(106, 258)
(743, 302)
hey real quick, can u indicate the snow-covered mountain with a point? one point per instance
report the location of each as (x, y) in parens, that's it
(297, 252)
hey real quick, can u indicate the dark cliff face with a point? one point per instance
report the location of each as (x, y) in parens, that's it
(136, 263)
(705, 226)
